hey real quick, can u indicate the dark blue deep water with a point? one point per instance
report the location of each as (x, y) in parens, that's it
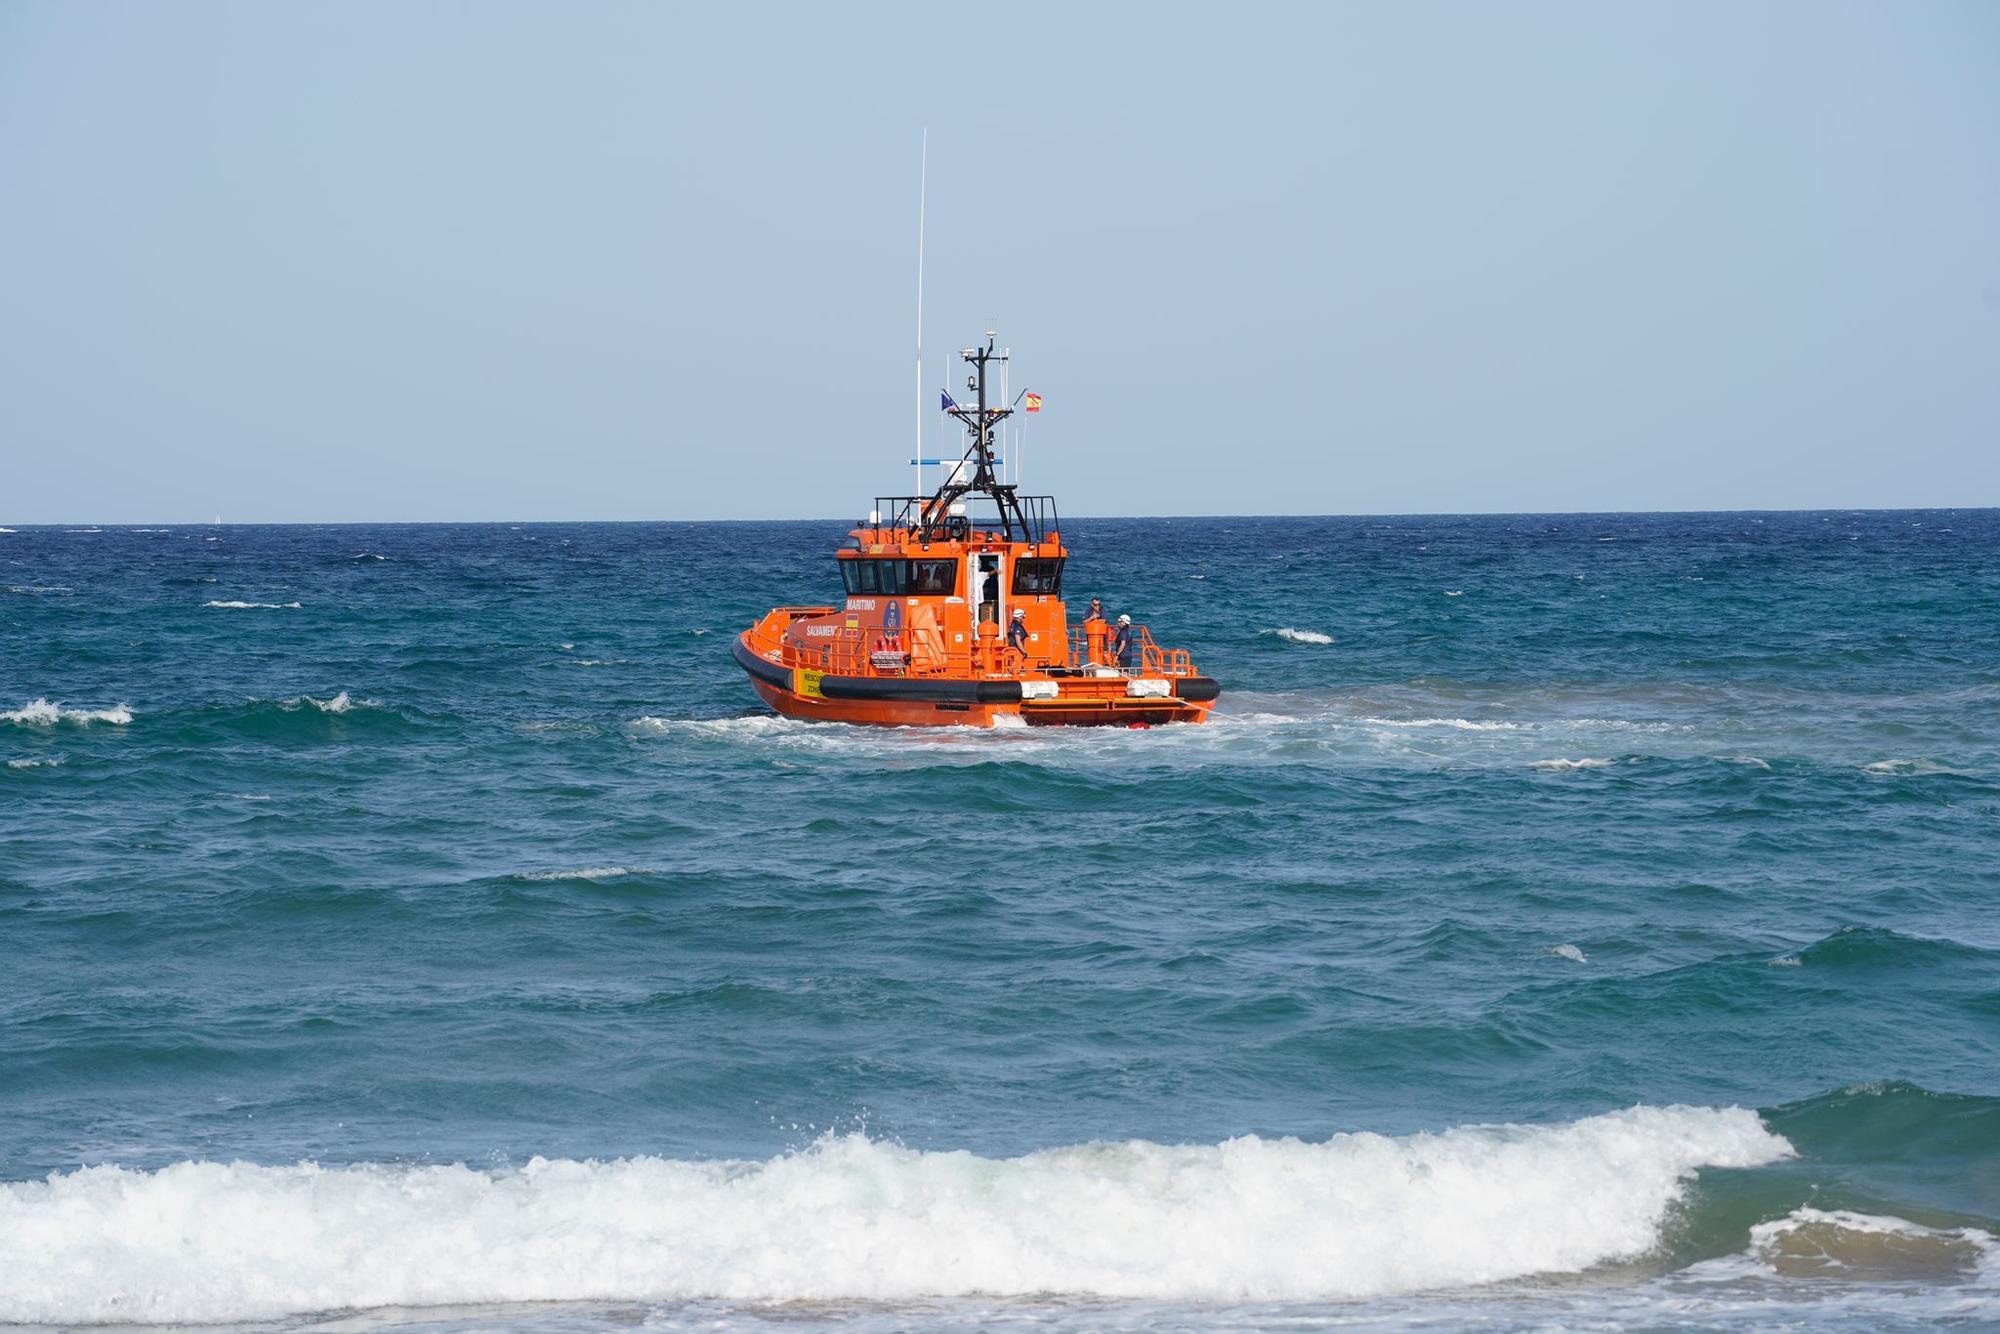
(1566, 919)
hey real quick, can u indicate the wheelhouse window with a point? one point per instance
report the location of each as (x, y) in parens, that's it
(1038, 576)
(936, 578)
(868, 577)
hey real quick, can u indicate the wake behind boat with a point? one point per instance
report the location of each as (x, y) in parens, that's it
(954, 615)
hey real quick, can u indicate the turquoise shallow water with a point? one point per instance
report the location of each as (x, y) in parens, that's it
(1418, 987)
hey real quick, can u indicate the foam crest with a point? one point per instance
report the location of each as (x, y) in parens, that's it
(1907, 768)
(1568, 766)
(1292, 635)
(586, 873)
(246, 606)
(47, 713)
(853, 1218)
(339, 703)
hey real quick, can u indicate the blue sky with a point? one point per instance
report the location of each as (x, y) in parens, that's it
(626, 261)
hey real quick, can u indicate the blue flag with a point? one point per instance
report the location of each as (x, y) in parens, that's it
(947, 405)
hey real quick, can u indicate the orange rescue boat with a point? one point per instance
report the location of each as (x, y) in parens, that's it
(954, 616)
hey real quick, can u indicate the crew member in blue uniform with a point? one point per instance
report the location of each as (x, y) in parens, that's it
(1017, 633)
(1121, 644)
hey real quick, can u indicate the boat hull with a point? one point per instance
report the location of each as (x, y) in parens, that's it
(957, 702)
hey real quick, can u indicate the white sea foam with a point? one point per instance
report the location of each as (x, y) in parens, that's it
(8, 530)
(33, 590)
(1456, 724)
(264, 606)
(1566, 766)
(953, 744)
(1570, 952)
(1454, 592)
(46, 762)
(587, 873)
(850, 1218)
(45, 713)
(1295, 636)
(1907, 768)
(340, 702)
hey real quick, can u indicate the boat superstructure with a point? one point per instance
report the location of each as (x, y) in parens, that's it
(954, 614)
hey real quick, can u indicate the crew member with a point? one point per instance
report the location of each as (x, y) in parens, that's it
(1093, 632)
(1121, 643)
(1017, 633)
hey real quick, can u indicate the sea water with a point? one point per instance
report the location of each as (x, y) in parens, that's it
(1565, 920)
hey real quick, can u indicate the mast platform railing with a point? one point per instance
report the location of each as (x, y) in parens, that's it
(927, 520)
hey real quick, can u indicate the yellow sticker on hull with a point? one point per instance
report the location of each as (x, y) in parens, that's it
(806, 682)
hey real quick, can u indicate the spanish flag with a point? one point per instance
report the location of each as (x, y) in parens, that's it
(1034, 402)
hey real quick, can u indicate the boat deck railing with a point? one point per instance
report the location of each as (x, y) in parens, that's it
(925, 651)
(1146, 658)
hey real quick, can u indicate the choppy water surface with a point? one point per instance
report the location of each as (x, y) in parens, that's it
(1565, 920)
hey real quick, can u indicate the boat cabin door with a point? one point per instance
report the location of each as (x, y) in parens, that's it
(987, 588)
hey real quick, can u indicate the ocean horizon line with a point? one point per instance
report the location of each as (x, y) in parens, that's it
(17, 525)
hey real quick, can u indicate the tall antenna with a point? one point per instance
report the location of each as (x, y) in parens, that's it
(923, 195)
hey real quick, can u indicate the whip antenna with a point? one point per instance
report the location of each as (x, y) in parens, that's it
(923, 194)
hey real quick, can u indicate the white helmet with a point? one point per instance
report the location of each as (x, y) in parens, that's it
(1019, 614)
(1124, 620)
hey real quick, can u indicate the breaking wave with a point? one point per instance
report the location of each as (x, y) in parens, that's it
(587, 873)
(263, 606)
(46, 713)
(852, 1218)
(1294, 636)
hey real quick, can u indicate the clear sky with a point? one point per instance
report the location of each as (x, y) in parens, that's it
(386, 261)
